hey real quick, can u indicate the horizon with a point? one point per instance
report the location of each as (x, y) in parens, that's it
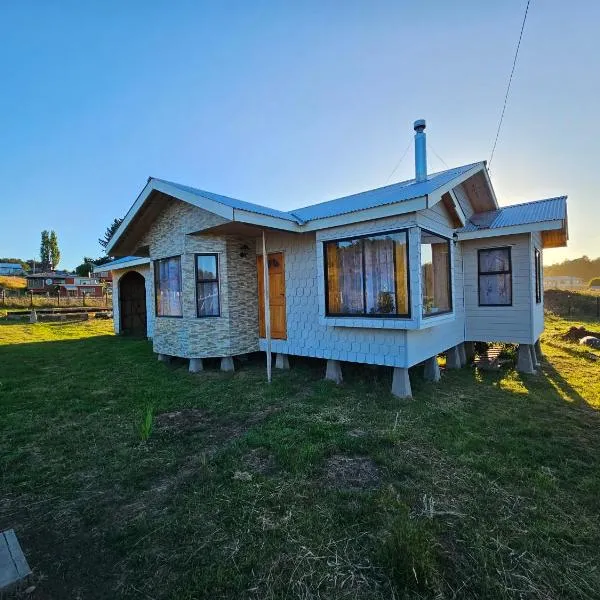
(286, 106)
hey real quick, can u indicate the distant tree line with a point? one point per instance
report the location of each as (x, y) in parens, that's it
(583, 267)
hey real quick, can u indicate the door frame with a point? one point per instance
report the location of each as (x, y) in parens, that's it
(259, 275)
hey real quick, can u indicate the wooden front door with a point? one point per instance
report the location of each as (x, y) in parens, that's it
(276, 295)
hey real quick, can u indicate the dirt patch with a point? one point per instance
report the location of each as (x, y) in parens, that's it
(260, 461)
(576, 333)
(186, 419)
(353, 474)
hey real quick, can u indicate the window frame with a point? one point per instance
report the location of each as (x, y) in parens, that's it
(156, 279)
(217, 281)
(537, 260)
(365, 315)
(450, 279)
(506, 272)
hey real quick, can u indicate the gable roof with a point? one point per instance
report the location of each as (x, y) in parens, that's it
(390, 194)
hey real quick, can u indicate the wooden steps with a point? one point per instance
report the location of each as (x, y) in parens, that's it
(490, 361)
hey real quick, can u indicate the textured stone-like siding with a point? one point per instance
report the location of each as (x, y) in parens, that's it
(143, 270)
(235, 331)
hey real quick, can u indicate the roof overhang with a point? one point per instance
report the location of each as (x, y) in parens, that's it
(554, 233)
(135, 262)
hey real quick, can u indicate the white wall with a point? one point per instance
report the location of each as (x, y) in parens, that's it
(537, 309)
(511, 324)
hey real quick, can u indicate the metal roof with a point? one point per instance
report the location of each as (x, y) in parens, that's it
(550, 209)
(120, 263)
(232, 202)
(390, 194)
(397, 192)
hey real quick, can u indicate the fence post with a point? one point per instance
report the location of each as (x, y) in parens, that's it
(31, 297)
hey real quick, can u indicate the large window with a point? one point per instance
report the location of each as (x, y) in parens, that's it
(537, 256)
(167, 287)
(436, 288)
(207, 285)
(367, 276)
(495, 277)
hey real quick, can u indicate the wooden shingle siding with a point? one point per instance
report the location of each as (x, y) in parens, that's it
(512, 324)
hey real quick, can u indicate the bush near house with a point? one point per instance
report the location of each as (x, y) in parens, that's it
(486, 485)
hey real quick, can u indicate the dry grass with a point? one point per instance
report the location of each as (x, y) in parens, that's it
(11, 282)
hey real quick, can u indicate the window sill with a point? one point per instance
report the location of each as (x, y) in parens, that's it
(369, 322)
(434, 320)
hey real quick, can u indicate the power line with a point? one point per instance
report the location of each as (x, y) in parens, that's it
(438, 156)
(509, 83)
(399, 161)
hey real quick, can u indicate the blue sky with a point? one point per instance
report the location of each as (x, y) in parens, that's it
(286, 104)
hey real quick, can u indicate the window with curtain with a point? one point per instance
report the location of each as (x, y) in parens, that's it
(207, 285)
(495, 277)
(436, 289)
(538, 276)
(368, 276)
(167, 287)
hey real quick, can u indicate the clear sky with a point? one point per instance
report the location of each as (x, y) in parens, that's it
(286, 104)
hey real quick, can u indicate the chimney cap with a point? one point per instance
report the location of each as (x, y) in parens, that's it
(419, 125)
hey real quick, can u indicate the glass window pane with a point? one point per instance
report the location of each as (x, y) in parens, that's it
(495, 289)
(168, 287)
(345, 277)
(206, 267)
(492, 261)
(208, 299)
(435, 274)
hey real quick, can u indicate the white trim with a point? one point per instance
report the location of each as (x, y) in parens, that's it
(459, 211)
(511, 230)
(124, 265)
(245, 216)
(437, 194)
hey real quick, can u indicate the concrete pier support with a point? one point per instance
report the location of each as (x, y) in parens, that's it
(525, 362)
(463, 354)
(164, 358)
(453, 360)
(538, 351)
(534, 357)
(227, 364)
(33, 318)
(401, 383)
(432, 369)
(282, 361)
(333, 372)
(469, 351)
(196, 365)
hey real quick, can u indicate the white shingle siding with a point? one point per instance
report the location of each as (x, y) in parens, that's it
(512, 324)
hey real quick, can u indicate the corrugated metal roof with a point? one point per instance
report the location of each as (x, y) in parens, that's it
(120, 262)
(232, 202)
(550, 209)
(397, 192)
(390, 194)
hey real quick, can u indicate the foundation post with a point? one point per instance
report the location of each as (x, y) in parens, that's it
(333, 372)
(401, 383)
(453, 358)
(534, 358)
(227, 364)
(524, 359)
(282, 361)
(469, 351)
(432, 369)
(463, 354)
(538, 350)
(164, 358)
(196, 365)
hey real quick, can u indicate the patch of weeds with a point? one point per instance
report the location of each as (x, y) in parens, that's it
(410, 554)
(147, 423)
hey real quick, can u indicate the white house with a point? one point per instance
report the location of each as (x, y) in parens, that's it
(392, 276)
(11, 269)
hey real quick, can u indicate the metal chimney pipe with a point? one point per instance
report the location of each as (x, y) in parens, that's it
(420, 150)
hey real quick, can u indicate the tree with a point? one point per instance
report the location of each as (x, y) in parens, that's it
(54, 251)
(110, 231)
(45, 251)
(83, 270)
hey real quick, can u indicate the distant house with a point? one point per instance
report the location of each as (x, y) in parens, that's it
(11, 269)
(392, 276)
(562, 282)
(65, 283)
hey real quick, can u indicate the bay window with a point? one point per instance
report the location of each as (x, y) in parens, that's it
(167, 287)
(436, 286)
(207, 285)
(367, 276)
(495, 277)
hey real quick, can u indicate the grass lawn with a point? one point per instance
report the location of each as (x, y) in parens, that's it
(487, 485)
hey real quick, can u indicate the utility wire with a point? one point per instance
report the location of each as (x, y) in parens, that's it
(509, 83)
(399, 161)
(438, 156)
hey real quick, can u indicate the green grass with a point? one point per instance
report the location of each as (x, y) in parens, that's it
(487, 485)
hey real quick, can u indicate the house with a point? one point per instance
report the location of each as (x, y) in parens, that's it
(64, 284)
(11, 269)
(562, 282)
(392, 276)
